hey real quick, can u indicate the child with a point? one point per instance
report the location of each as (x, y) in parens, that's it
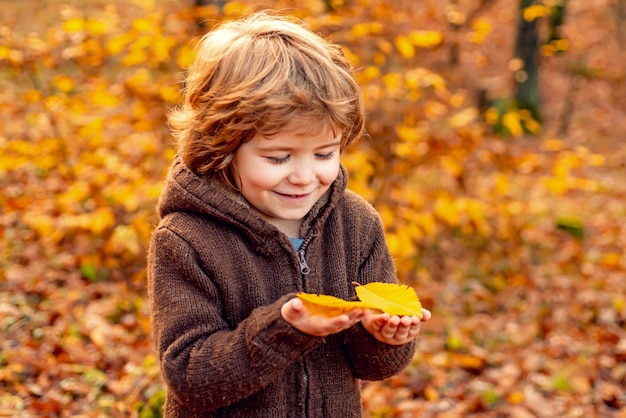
(255, 209)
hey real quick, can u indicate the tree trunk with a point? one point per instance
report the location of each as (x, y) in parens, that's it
(556, 19)
(527, 50)
(219, 3)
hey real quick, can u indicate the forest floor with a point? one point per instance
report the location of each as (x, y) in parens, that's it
(550, 343)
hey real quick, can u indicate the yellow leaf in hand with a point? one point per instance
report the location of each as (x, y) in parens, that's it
(391, 298)
(327, 305)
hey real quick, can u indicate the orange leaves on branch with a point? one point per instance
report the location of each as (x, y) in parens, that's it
(390, 298)
(81, 145)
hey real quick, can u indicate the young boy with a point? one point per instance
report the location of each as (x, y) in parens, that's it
(255, 209)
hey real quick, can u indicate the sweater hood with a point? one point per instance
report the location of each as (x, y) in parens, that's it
(184, 191)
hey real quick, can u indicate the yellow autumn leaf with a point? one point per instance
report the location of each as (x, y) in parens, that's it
(409, 133)
(74, 196)
(404, 150)
(446, 210)
(118, 43)
(463, 118)
(142, 25)
(170, 93)
(555, 184)
(124, 238)
(391, 298)
(387, 214)
(186, 56)
(42, 223)
(391, 81)
(63, 83)
(4, 52)
(405, 46)
(533, 126)
(100, 96)
(96, 27)
(371, 72)
(234, 8)
(554, 144)
(481, 28)
(74, 25)
(535, 11)
(327, 305)
(492, 116)
(101, 219)
(426, 221)
(161, 47)
(401, 243)
(426, 38)
(513, 123)
(476, 211)
(135, 57)
(367, 28)
(360, 29)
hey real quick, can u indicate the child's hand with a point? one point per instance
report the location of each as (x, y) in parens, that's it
(394, 330)
(318, 325)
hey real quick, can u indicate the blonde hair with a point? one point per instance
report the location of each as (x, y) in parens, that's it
(256, 75)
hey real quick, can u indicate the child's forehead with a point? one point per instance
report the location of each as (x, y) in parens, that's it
(290, 140)
(309, 124)
(304, 128)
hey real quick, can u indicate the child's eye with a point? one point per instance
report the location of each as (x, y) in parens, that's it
(278, 160)
(328, 156)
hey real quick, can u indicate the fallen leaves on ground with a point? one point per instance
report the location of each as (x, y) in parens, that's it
(516, 243)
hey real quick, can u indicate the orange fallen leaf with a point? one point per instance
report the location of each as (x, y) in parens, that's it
(327, 305)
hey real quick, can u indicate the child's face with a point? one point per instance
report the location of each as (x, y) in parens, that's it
(283, 176)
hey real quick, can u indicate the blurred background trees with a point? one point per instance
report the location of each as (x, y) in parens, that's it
(493, 155)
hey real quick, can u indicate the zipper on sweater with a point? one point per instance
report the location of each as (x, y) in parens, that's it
(304, 267)
(304, 270)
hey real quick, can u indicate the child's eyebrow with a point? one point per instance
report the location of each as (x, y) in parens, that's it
(270, 147)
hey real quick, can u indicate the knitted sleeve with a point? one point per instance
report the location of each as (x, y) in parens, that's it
(371, 359)
(205, 364)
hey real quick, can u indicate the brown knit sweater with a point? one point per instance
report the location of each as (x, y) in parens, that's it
(218, 275)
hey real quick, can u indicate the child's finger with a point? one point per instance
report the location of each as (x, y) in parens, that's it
(297, 305)
(381, 321)
(292, 310)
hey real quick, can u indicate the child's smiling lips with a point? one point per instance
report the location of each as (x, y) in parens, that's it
(297, 196)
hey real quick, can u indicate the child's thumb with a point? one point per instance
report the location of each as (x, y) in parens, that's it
(291, 310)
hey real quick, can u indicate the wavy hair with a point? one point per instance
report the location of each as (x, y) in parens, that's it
(256, 75)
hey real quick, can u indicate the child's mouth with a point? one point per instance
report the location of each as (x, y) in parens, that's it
(294, 196)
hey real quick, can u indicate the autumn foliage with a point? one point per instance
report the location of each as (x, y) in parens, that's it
(512, 232)
(390, 298)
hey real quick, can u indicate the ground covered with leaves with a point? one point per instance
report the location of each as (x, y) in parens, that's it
(510, 230)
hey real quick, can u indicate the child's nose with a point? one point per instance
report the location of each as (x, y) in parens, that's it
(301, 173)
